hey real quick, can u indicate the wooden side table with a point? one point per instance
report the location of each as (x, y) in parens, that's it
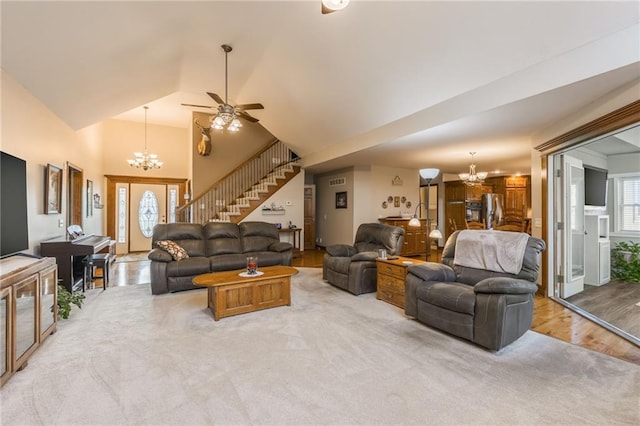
(295, 239)
(391, 277)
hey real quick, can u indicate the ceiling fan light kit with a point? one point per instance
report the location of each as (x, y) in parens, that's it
(329, 6)
(144, 160)
(472, 178)
(228, 116)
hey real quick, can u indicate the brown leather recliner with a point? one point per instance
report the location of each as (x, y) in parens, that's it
(353, 268)
(492, 309)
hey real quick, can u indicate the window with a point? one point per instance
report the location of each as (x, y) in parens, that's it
(148, 213)
(627, 203)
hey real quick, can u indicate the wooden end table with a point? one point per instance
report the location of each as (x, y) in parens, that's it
(391, 276)
(230, 294)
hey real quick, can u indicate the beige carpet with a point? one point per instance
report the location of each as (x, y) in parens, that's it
(331, 358)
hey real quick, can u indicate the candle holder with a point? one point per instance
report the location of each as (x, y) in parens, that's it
(252, 265)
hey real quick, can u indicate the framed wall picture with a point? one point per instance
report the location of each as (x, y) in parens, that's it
(89, 198)
(341, 200)
(53, 190)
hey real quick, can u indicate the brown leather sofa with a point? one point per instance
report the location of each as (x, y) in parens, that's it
(353, 268)
(489, 308)
(215, 246)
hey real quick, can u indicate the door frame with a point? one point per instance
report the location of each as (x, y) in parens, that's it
(614, 121)
(113, 180)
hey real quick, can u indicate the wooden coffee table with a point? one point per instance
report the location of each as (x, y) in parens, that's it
(230, 294)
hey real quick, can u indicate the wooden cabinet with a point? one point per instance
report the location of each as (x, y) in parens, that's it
(28, 291)
(517, 196)
(474, 193)
(390, 279)
(414, 243)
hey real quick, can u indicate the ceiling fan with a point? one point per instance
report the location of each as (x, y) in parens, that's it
(227, 115)
(329, 6)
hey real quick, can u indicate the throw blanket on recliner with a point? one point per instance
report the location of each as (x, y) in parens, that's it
(497, 251)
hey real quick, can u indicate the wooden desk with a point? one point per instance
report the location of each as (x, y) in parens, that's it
(295, 239)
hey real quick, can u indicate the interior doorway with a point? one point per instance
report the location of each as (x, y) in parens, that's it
(75, 191)
(309, 217)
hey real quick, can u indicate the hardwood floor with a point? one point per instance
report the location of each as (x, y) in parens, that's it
(549, 317)
(617, 302)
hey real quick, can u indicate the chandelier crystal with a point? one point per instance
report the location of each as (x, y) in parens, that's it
(472, 178)
(144, 160)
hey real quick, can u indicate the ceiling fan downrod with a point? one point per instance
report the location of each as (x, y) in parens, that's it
(226, 49)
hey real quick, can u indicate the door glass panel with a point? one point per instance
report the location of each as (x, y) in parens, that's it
(47, 299)
(148, 213)
(122, 215)
(25, 324)
(173, 203)
(4, 301)
(577, 221)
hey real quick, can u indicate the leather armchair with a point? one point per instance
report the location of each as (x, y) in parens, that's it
(353, 268)
(491, 309)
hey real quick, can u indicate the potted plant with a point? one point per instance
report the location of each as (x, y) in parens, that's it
(66, 299)
(625, 261)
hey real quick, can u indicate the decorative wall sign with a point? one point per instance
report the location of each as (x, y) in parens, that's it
(396, 201)
(53, 190)
(341, 200)
(396, 181)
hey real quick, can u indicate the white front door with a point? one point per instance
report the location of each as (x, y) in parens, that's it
(148, 207)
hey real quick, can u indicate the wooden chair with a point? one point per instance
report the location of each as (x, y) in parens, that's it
(475, 225)
(452, 225)
(508, 227)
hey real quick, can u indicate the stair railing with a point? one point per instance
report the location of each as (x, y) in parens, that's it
(210, 205)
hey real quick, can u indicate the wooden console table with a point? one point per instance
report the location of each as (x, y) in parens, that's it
(295, 239)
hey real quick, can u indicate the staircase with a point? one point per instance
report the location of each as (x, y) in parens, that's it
(246, 188)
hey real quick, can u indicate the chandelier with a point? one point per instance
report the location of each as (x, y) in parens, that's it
(329, 6)
(472, 178)
(144, 160)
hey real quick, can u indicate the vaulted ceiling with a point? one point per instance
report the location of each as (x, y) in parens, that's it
(399, 83)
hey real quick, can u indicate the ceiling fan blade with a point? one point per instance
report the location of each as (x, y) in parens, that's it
(247, 116)
(215, 97)
(196, 106)
(249, 106)
(326, 10)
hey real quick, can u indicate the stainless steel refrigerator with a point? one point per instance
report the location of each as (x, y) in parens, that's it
(492, 210)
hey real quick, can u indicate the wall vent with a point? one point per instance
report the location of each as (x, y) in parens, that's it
(338, 181)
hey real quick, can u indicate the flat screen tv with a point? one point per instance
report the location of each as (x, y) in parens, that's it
(595, 187)
(14, 233)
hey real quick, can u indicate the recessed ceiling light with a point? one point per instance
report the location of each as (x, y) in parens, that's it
(329, 6)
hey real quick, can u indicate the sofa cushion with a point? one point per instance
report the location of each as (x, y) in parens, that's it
(222, 238)
(339, 264)
(227, 262)
(188, 267)
(176, 252)
(186, 235)
(453, 296)
(257, 236)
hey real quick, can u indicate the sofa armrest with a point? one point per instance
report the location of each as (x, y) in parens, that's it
(505, 285)
(280, 247)
(370, 256)
(432, 271)
(341, 250)
(159, 255)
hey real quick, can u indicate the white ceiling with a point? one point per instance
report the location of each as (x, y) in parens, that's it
(411, 84)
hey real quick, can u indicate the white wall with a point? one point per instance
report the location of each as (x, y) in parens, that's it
(292, 192)
(32, 132)
(367, 188)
